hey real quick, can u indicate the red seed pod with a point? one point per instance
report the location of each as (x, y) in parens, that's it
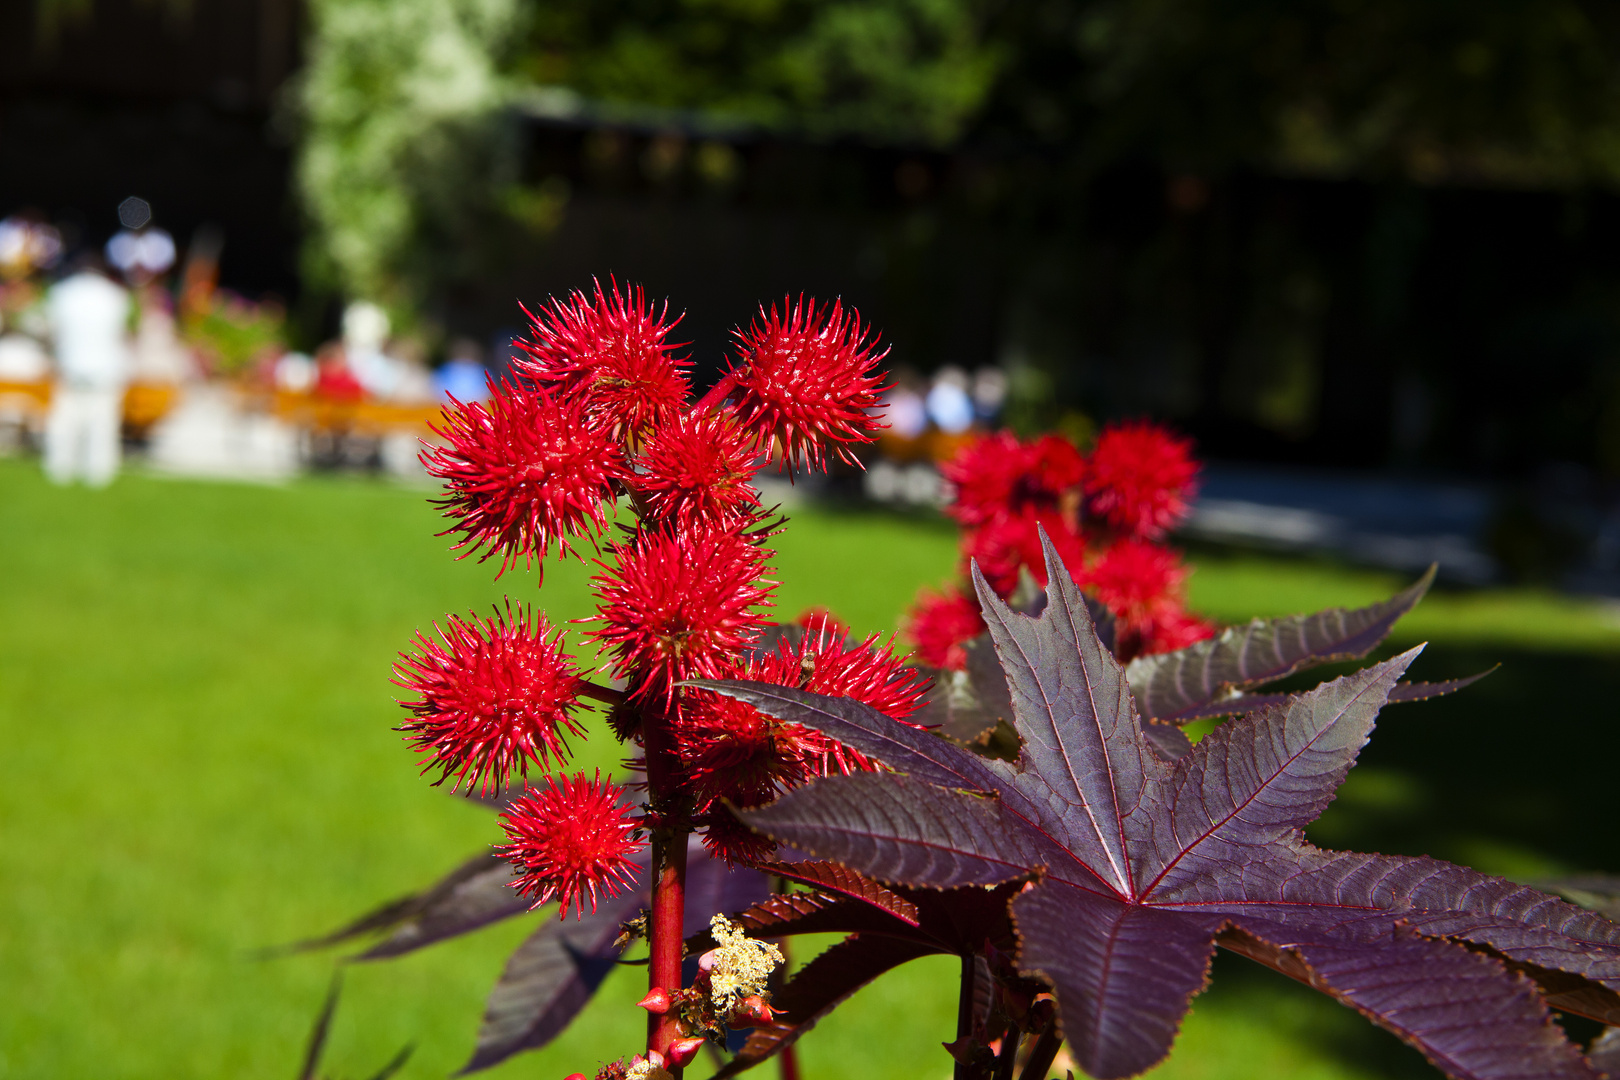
(807, 381)
(497, 695)
(752, 1010)
(611, 351)
(523, 471)
(657, 1001)
(571, 840)
(682, 1051)
(574, 1076)
(1141, 478)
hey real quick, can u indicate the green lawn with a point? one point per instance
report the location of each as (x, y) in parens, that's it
(195, 706)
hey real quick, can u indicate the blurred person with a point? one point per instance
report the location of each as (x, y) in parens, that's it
(365, 330)
(158, 354)
(413, 382)
(140, 251)
(949, 406)
(463, 376)
(295, 372)
(89, 318)
(334, 378)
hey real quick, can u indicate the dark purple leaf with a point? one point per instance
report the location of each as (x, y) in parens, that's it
(836, 878)
(455, 907)
(817, 988)
(1605, 1051)
(1238, 703)
(1599, 892)
(965, 704)
(474, 894)
(1167, 685)
(548, 980)
(1141, 864)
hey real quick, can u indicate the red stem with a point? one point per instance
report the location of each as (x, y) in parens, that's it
(717, 393)
(665, 936)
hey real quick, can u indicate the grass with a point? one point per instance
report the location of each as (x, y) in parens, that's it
(195, 707)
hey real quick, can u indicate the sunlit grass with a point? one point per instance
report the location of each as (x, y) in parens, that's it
(195, 705)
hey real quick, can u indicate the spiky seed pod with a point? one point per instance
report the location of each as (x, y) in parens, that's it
(806, 381)
(527, 470)
(940, 624)
(571, 840)
(1141, 478)
(492, 695)
(996, 476)
(732, 753)
(1136, 579)
(678, 604)
(1171, 630)
(1009, 544)
(1142, 584)
(612, 350)
(697, 468)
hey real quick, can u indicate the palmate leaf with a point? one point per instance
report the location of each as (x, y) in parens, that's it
(1142, 863)
(1205, 680)
(1171, 686)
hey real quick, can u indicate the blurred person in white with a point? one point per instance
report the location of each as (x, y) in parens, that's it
(140, 251)
(89, 318)
(365, 331)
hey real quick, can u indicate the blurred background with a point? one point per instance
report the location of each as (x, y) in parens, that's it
(1366, 253)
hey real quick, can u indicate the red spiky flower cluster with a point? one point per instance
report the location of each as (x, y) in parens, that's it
(1102, 512)
(569, 839)
(805, 382)
(939, 625)
(679, 603)
(698, 468)
(612, 350)
(598, 415)
(494, 696)
(1141, 479)
(529, 469)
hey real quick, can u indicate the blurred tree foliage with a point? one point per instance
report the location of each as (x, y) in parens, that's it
(397, 109)
(894, 70)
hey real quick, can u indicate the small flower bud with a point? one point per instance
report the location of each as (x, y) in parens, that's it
(574, 1076)
(656, 1002)
(682, 1051)
(752, 1010)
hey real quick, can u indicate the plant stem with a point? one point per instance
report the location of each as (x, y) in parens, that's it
(666, 926)
(664, 934)
(606, 694)
(717, 393)
(964, 1014)
(1042, 1055)
(1009, 1053)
